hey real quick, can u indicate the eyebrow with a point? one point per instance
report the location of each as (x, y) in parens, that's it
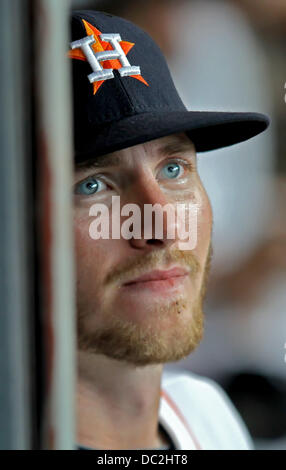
(180, 146)
(104, 161)
(174, 148)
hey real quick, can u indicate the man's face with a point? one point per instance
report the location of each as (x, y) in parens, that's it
(141, 322)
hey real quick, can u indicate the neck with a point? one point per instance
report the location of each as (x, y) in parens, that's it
(117, 404)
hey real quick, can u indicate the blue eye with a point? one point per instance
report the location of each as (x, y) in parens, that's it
(89, 186)
(172, 170)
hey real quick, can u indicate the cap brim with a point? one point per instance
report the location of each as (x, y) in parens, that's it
(207, 130)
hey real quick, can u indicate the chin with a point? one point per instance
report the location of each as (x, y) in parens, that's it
(167, 337)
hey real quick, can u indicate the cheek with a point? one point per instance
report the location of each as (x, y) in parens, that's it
(82, 241)
(91, 268)
(88, 253)
(204, 228)
(94, 258)
(206, 218)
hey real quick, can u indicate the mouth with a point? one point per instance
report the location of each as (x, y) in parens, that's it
(158, 280)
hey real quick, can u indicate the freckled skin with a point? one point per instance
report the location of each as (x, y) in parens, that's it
(136, 326)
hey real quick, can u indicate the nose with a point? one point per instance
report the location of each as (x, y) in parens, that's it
(158, 226)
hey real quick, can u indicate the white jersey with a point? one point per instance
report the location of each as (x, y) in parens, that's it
(197, 414)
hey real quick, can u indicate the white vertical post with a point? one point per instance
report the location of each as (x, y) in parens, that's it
(53, 114)
(15, 344)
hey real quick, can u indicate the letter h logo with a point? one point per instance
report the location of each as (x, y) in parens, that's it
(104, 53)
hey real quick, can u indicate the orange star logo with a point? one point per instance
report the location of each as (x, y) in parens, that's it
(99, 46)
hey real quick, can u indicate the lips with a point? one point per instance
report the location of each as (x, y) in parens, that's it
(158, 275)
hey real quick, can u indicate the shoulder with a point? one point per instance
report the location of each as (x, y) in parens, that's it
(208, 410)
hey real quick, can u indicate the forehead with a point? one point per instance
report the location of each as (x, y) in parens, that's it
(175, 144)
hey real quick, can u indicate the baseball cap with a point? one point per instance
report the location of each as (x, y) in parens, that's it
(124, 95)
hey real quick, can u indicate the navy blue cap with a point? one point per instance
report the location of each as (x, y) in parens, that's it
(123, 93)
